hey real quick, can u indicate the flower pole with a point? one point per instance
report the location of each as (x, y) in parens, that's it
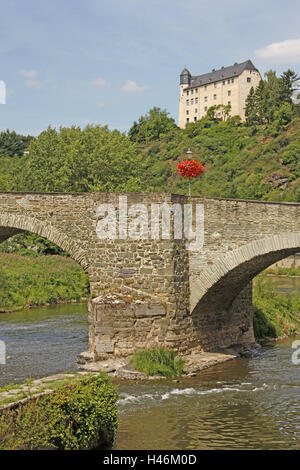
(189, 169)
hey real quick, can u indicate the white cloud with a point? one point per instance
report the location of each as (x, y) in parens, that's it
(32, 83)
(99, 83)
(29, 74)
(133, 87)
(99, 105)
(283, 52)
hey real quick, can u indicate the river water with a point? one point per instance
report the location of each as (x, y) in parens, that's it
(42, 341)
(249, 403)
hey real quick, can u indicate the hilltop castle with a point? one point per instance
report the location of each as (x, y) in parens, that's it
(228, 85)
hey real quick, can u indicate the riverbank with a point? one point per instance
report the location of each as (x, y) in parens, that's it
(276, 314)
(30, 281)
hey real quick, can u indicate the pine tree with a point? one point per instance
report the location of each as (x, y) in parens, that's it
(287, 86)
(250, 109)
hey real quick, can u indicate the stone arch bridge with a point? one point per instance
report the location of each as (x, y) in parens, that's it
(156, 292)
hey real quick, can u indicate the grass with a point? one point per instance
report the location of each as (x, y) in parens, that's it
(29, 281)
(284, 271)
(158, 362)
(274, 314)
(8, 387)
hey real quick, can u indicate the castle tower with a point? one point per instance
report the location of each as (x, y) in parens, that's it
(185, 81)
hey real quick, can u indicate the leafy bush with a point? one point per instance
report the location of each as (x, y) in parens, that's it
(81, 415)
(158, 362)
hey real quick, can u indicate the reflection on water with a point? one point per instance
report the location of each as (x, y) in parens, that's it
(242, 404)
(42, 341)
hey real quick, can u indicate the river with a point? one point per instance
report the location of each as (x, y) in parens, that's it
(248, 403)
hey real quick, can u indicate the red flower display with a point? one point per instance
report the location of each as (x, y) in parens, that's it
(189, 168)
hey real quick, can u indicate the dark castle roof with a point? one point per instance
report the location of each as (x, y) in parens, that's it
(222, 74)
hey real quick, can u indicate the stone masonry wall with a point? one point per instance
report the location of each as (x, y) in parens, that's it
(191, 298)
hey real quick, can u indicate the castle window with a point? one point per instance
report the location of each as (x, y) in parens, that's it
(215, 85)
(205, 108)
(228, 81)
(205, 88)
(187, 93)
(187, 112)
(187, 102)
(249, 79)
(229, 102)
(192, 101)
(196, 90)
(192, 91)
(187, 120)
(195, 119)
(232, 80)
(229, 92)
(215, 97)
(205, 98)
(196, 110)
(196, 100)
(224, 83)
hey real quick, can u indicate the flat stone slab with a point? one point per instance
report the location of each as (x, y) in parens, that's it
(197, 360)
(36, 388)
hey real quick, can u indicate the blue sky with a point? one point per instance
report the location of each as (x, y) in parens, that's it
(74, 62)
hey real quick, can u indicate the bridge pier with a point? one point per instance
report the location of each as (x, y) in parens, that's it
(121, 323)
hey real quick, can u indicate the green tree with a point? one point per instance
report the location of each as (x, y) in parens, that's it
(251, 108)
(13, 144)
(288, 81)
(263, 103)
(154, 125)
(75, 159)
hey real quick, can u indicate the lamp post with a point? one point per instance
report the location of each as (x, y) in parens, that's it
(189, 152)
(189, 169)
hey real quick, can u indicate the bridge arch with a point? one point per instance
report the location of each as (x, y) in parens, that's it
(15, 223)
(221, 297)
(236, 269)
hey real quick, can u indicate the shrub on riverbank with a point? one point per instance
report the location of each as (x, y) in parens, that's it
(81, 415)
(158, 362)
(27, 281)
(274, 314)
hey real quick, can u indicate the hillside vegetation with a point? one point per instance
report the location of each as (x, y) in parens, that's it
(258, 159)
